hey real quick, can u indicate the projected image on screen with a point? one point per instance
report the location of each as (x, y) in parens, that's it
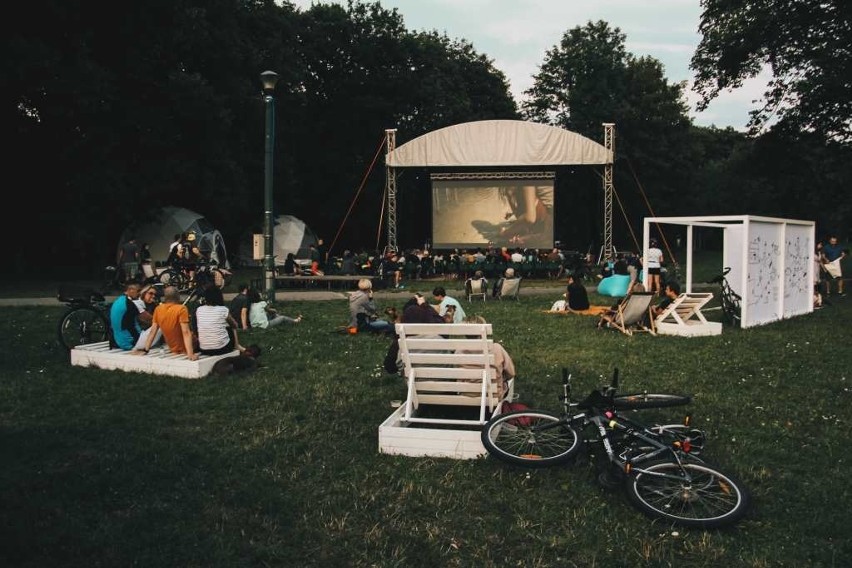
(511, 213)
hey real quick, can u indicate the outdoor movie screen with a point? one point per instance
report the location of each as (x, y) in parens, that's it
(505, 212)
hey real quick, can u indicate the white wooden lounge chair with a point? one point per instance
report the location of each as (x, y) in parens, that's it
(452, 391)
(683, 317)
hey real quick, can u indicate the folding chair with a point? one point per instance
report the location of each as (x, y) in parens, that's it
(510, 289)
(632, 313)
(476, 288)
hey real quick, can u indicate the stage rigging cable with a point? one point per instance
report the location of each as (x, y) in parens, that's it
(357, 193)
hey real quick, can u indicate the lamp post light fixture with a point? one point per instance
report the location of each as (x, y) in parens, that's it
(269, 80)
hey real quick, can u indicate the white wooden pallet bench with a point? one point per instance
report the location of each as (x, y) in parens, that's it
(683, 317)
(452, 391)
(159, 361)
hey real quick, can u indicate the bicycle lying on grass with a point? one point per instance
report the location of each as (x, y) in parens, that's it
(659, 466)
(86, 320)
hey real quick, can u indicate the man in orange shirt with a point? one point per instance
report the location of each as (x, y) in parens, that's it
(172, 318)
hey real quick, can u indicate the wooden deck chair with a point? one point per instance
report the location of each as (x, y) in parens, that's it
(633, 314)
(455, 369)
(510, 288)
(476, 287)
(683, 316)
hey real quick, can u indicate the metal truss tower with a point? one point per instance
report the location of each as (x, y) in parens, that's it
(609, 144)
(390, 189)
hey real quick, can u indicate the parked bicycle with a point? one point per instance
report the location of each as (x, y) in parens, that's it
(730, 300)
(86, 320)
(659, 466)
(206, 273)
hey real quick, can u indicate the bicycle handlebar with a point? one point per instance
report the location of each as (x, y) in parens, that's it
(721, 277)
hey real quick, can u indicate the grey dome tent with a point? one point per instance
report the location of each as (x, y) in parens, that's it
(169, 221)
(289, 235)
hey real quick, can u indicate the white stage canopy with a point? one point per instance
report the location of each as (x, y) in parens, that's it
(498, 143)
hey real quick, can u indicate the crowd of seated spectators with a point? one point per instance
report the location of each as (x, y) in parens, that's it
(396, 268)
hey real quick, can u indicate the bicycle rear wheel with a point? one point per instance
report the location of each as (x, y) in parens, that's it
(175, 278)
(83, 325)
(640, 400)
(689, 494)
(731, 307)
(530, 438)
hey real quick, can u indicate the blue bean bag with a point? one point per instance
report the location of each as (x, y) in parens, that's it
(615, 285)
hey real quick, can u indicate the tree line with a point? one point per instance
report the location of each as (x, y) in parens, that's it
(119, 109)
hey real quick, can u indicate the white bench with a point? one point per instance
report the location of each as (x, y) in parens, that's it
(159, 361)
(449, 369)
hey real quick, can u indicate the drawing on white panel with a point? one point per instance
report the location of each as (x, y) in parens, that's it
(764, 260)
(798, 260)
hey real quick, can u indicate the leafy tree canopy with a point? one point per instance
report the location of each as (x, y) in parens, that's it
(807, 46)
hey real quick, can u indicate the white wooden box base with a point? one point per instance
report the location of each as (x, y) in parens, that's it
(691, 329)
(157, 362)
(423, 441)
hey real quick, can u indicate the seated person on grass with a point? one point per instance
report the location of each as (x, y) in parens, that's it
(577, 299)
(363, 312)
(504, 367)
(415, 310)
(444, 302)
(608, 316)
(172, 318)
(124, 317)
(670, 294)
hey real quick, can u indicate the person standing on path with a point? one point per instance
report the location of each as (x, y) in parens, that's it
(654, 263)
(833, 254)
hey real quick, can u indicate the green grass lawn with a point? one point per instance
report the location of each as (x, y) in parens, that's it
(281, 467)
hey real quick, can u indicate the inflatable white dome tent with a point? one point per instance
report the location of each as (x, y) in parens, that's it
(170, 221)
(290, 235)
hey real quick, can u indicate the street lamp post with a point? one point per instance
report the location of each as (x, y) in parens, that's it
(269, 80)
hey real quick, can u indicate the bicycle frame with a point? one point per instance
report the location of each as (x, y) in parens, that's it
(601, 418)
(635, 431)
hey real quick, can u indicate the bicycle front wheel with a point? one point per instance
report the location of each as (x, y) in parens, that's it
(641, 400)
(531, 438)
(80, 326)
(688, 494)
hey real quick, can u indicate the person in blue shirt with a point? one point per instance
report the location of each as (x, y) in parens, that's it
(444, 301)
(833, 254)
(124, 317)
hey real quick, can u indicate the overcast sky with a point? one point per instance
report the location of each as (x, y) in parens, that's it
(517, 33)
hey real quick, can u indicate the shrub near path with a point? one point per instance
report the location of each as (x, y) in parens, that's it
(281, 467)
